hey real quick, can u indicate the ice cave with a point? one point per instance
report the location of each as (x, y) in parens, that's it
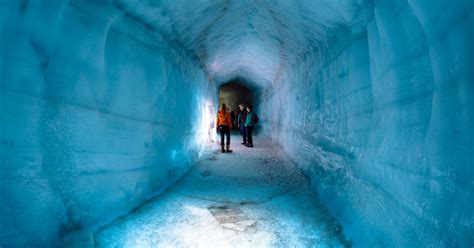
(365, 135)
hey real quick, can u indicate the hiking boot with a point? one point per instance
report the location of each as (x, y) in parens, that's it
(222, 149)
(243, 143)
(249, 145)
(227, 149)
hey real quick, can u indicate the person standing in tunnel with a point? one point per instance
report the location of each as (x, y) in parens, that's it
(224, 125)
(241, 122)
(250, 121)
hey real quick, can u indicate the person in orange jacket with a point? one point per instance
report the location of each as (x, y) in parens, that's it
(224, 125)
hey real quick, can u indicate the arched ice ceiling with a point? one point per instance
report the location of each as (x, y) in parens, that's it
(256, 40)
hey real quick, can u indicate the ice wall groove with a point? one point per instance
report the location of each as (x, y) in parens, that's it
(84, 132)
(372, 99)
(378, 96)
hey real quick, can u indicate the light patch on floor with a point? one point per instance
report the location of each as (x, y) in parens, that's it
(248, 198)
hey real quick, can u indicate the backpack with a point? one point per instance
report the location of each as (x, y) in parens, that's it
(255, 119)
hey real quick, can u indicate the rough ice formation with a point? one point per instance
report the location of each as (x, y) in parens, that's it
(381, 119)
(372, 99)
(98, 112)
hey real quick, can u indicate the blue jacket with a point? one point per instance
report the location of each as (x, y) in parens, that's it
(241, 117)
(250, 120)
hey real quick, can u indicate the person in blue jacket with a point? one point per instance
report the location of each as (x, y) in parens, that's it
(250, 121)
(241, 116)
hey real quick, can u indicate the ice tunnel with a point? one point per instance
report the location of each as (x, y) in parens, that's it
(106, 103)
(239, 91)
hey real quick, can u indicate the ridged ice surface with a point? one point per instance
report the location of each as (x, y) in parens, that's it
(91, 101)
(105, 103)
(257, 40)
(382, 122)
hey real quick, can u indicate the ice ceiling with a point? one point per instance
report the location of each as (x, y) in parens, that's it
(106, 103)
(256, 40)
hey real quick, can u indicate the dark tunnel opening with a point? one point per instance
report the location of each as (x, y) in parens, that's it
(106, 104)
(239, 91)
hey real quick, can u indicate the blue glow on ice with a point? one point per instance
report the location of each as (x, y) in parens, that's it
(230, 200)
(372, 99)
(173, 154)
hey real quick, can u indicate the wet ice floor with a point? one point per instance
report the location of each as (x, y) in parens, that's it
(253, 197)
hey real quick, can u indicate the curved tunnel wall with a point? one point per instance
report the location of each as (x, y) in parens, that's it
(381, 122)
(91, 100)
(372, 99)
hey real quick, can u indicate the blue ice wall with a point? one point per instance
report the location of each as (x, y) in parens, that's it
(105, 102)
(98, 112)
(381, 119)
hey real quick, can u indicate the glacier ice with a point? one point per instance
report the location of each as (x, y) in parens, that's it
(98, 113)
(105, 103)
(243, 199)
(381, 121)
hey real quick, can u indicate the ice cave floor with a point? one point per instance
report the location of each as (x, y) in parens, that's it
(253, 197)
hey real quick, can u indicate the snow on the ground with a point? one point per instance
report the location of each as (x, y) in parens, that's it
(253, 197)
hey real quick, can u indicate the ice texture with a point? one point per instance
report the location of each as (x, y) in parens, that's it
(104, 103)
(381, 119)
(248, 198)
(98, 112)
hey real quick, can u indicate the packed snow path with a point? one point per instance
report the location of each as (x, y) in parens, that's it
(253, 197)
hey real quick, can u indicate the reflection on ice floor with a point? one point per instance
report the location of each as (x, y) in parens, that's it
(249, 198)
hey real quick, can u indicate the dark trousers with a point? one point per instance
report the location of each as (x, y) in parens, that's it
(224, 130)
(249, 132)
(243, 131)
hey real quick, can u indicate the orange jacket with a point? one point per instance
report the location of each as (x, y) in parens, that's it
(223, 119)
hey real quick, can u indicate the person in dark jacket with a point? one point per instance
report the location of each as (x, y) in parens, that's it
(250, 121)
(241, 117)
